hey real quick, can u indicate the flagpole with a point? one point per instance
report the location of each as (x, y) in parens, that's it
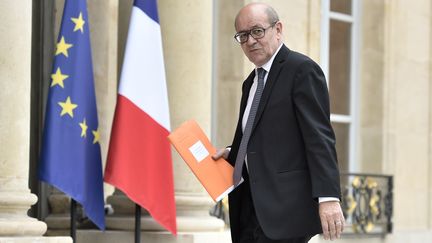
(137, 223)
(73, 220)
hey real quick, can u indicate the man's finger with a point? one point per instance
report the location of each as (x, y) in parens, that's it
(332, 229)
(325, 229)
(219, 154)
(343, 224)
(339, 227)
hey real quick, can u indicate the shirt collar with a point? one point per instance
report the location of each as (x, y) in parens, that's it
(268, 64)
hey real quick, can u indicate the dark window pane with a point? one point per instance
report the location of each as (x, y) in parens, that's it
(341, 6)
(342, 145)
(339, 67)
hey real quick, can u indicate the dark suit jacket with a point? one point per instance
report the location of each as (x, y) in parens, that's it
(291, 152)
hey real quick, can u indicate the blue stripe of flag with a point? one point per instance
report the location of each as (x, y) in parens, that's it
(149, 7)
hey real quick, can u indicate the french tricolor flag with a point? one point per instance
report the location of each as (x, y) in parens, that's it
(139, 158)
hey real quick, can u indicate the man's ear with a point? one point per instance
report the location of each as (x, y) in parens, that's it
(278, 27)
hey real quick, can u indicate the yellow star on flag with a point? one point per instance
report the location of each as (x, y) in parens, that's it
(96, 135)
(62, 47)
(58, 77)
(67, 107)
(79, 23)
(84, 127)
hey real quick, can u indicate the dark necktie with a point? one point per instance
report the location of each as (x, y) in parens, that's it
(241, 155)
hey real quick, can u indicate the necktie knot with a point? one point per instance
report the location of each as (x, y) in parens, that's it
(261, 74)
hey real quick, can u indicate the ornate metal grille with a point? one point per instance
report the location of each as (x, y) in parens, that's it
(367, 202)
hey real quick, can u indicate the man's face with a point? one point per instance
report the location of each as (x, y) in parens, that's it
(259, 51)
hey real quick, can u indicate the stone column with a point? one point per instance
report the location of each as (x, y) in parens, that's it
(15, 196)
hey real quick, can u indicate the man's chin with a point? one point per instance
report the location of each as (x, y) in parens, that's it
(258, 60)
(257, 63)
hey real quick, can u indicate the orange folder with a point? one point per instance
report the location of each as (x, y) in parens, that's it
(196, 150)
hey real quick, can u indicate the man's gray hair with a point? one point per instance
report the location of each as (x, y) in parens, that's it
(271, 15)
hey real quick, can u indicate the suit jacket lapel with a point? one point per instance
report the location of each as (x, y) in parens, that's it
(245, 94)
(271, 80)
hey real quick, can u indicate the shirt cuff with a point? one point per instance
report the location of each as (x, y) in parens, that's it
(328, 199)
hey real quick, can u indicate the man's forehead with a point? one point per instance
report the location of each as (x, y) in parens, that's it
(249, 27)
(244, 24)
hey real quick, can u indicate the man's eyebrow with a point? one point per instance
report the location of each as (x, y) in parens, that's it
(251, 28)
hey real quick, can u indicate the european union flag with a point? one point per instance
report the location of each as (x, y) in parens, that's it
(71, 155)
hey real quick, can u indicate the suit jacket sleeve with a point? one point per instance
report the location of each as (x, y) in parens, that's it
(311, 101)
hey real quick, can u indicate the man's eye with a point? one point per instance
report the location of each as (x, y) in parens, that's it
(257, 32)
(243, 36)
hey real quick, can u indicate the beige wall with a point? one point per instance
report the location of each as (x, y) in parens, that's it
(372, 51)
(229, 73)
(407, 110)
(396, 109)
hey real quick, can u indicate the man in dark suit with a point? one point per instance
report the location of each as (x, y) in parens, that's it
(284, 145)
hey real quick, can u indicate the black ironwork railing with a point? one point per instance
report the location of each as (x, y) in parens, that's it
(367, 203)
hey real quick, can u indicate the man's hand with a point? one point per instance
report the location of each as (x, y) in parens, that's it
(332, 219)
(221, 153)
